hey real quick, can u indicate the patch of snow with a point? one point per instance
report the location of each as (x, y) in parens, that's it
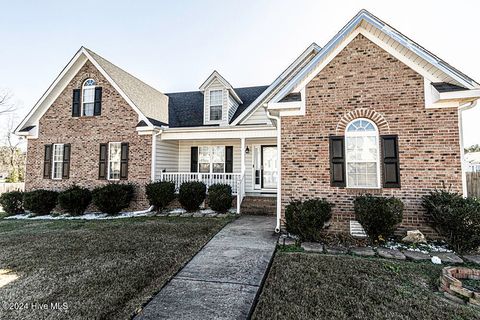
(436, 260)
(178, 210)
(87, 216)
(423, 247)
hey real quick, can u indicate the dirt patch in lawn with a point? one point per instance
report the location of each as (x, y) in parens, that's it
(93, 269)
(314, 286)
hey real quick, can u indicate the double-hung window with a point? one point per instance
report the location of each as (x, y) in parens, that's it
(57, 163)
(114, 160)
(88, 97)
(216, 103)
(362, 154)
(211, 159)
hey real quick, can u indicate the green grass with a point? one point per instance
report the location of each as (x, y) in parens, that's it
(101, 269)
(315, 286)
(2, 215)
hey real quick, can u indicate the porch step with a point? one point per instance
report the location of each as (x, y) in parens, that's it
(259, 205)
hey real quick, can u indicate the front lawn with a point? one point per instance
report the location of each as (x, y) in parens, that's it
(315, 286)
(96, 269)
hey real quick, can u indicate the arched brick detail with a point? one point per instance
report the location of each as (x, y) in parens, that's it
(370, 114)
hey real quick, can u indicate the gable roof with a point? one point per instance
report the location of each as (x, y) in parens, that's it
(186, 108)
(145, 100)
(216, 75)
(364, 19)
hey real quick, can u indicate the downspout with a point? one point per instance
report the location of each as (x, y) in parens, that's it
(279, 165)
(462, 108)
(154, 155)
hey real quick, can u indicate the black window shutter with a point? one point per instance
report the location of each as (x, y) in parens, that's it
(337, 161)
(391, 163)
(97, 105)
(76, 103)
(124, 161)
(229, 159)
(47, 161)
(194, 159)
(102, 163)
(66, 161)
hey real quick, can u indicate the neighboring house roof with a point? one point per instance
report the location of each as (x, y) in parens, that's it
(149, 100)
(186, 108)
(435, 67)
(472, 157)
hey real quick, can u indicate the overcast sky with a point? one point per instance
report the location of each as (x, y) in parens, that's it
(175, 45)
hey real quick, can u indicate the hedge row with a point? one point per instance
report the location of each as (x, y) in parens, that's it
(113, 198)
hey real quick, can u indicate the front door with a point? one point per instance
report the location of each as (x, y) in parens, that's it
(269, 167)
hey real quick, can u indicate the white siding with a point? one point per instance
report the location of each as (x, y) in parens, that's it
(232, 107)
(258, 117)
(185, 149)
(166, 157)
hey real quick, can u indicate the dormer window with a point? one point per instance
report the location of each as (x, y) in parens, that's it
(216, 103)
(88, 97)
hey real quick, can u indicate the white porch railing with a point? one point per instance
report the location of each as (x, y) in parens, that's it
(235, 180)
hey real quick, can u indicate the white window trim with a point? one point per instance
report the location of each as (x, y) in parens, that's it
(210, 105)
(82, 96)
(363, 134)
(211, 162)
(108, 161)
(61, 161)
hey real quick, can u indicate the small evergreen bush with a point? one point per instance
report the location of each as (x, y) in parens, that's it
(40, 202)
(12, 202)
(379, 216)
(220, 197)
(192, 194)
(75, 200)
(455, 218)
(160, 194)
(113, 198)
(307, 219)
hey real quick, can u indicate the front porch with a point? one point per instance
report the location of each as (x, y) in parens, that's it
(248, 165)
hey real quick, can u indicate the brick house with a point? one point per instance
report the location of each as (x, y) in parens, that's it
(370, 112)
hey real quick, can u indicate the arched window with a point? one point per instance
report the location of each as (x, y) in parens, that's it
(362, 154)
(88, 97)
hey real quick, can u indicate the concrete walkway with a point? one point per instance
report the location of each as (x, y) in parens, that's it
(223, 279)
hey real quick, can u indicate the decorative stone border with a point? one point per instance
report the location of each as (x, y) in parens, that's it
(452, 287)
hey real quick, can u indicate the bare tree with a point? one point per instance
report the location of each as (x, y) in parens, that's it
(12, 154)
(5, 105)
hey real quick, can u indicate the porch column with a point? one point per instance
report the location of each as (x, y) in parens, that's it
(242, 156)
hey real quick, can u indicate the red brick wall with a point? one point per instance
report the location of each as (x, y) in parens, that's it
(116, 124)
(363, 76)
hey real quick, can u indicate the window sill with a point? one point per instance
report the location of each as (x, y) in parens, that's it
(359, 191)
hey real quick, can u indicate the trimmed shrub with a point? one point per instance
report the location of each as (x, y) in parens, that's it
(75, 200)
(220, 197)
(160, 194)
(113, 198)
(40, 202)
(455, 218)
(379, 216)
(12, 202)
(192, 194)
(307, 219)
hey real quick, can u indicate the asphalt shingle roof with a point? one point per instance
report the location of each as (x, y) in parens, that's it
(185, 109)
(447, 87)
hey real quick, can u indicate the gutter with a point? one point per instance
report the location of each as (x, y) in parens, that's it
(279, 165)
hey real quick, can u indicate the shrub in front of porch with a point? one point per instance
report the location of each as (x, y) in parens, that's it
(160, 194)
(12, 202)
(307, 219)
(379, 216)
(456, 218)
(75, 200)
(192, 194)
(113, 198)
(40, 202)
(220, 197)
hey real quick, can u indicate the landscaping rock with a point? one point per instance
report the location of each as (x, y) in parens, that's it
(286, 241)
(414, 236)
(312, 247)
(448, 257)
(453, 298)
(222, 215)
(416, 256)
(336, 250)
(198, 214)
(472, 258)
(363, 251)
(390, 254)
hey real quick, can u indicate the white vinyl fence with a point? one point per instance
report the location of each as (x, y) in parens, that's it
(6, 187)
